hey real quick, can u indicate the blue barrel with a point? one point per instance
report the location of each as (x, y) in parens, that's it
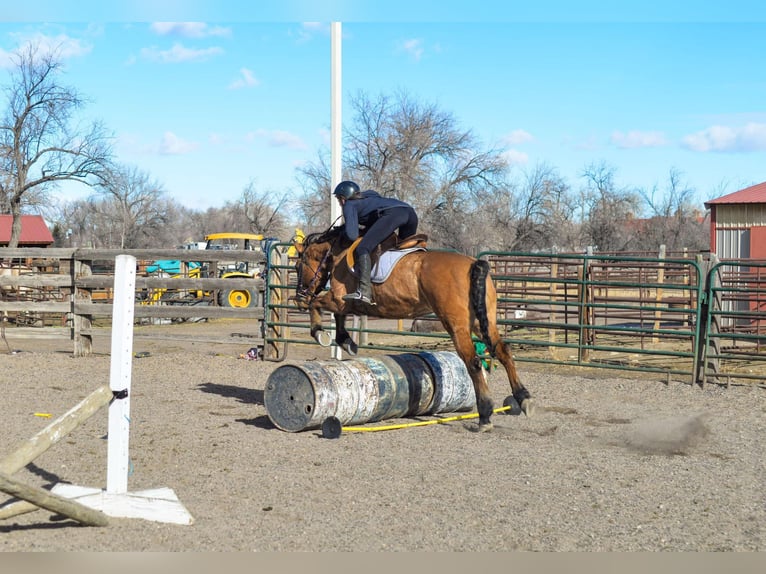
(301, 396)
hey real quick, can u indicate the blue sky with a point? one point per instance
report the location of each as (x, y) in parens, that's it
(207, 107)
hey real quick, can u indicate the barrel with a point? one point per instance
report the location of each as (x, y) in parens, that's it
(300, 396)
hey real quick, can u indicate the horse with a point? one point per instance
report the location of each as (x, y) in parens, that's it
(457, 288)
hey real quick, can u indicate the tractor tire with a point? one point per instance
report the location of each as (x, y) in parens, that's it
(238, 298)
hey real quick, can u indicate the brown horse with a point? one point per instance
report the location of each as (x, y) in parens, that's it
(455, 287)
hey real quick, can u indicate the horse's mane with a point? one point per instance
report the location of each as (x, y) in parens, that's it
(327, 236)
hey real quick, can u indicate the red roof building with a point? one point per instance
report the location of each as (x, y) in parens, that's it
(738, 224)
(34, 231)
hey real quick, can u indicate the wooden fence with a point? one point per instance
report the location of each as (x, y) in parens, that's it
(75, 286)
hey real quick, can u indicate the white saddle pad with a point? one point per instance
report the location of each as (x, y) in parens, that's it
(382, 269)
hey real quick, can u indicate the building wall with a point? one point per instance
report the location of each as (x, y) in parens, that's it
(739, 231)
(758, 242)
(741, 215)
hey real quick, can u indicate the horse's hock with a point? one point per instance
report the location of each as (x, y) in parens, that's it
(302, 396)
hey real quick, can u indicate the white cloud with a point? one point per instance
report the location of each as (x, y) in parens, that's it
(750, 137)
(279, 138)
(63, 46)
(517, 137)
(515, 157)
(188, 29)
(171, 144)
(637, 139)
(315, 26)
(414, 47)
(246, 79)
(178, 53)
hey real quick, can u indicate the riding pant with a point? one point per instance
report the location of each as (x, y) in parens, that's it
(390, 219)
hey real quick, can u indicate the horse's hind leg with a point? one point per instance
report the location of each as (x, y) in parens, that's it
(520, 393)
(467, 352)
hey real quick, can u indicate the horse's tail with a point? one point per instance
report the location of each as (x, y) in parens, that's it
(479, 272)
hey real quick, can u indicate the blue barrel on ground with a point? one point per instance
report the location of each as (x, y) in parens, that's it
(300, 396)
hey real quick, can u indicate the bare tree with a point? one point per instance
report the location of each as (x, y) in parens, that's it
(264, 211)
(314, 202)
(414, 151)
(40, 144)
(542, 213)
(675, 220)
(132, 207)
(609, 209)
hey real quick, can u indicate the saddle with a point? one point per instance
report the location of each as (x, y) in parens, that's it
(391, 243)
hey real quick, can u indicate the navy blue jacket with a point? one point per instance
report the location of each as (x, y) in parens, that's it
(365, 211)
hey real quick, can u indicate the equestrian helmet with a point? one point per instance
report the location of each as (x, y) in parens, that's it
(346, 189)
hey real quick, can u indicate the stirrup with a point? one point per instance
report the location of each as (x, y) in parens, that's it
(358, 296)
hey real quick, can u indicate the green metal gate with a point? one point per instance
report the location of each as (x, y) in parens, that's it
(667, 316)
(624, 313)
(735, 337)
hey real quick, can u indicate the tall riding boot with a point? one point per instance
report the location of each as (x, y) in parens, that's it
(364, 290)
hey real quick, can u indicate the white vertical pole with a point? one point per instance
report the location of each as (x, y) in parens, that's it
(118, 462)
(336, 142)
(336, 139)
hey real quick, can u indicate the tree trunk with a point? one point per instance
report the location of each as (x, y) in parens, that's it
(16, 225)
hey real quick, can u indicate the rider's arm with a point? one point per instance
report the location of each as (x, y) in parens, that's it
(351, 222)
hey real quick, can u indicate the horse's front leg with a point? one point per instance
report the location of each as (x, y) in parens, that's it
(342, 336)
(315, 320)
(343, 339)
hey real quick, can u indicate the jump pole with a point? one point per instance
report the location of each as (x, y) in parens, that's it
(158, 504)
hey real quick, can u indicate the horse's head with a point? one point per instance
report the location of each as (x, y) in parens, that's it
(314, 265)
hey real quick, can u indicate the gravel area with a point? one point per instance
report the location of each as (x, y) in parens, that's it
(608, 463)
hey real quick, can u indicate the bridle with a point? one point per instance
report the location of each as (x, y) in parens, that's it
(307, 293)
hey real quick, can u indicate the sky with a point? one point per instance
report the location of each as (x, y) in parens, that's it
(209, 97)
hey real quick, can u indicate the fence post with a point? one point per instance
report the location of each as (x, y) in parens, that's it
(587, 335)
(83, 342)
(710, 326)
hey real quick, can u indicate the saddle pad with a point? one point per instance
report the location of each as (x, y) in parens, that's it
(388, 259)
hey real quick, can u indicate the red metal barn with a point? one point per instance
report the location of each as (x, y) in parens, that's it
(738, 231)
(738, 224)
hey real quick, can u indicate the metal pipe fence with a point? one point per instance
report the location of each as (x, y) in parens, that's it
(627, 313)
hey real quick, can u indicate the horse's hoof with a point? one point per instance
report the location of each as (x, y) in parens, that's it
(484, 427)
(323, 338)
(528, 406)
(350, 347)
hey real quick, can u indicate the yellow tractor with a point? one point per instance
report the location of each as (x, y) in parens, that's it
(237, 297)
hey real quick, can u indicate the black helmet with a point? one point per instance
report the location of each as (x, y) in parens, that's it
(346, 189)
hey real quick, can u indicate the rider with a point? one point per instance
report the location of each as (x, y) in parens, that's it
(380, 216)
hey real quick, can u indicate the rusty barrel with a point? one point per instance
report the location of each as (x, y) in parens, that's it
(300, 396)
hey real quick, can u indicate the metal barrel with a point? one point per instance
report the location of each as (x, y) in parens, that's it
(451, 394)
(355, 391)
(419, 382)
(393, 394)
(301, 396)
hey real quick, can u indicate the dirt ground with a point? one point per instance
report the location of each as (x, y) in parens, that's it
(608, 463)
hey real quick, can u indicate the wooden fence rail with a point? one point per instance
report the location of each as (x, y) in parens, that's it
(77, 283)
